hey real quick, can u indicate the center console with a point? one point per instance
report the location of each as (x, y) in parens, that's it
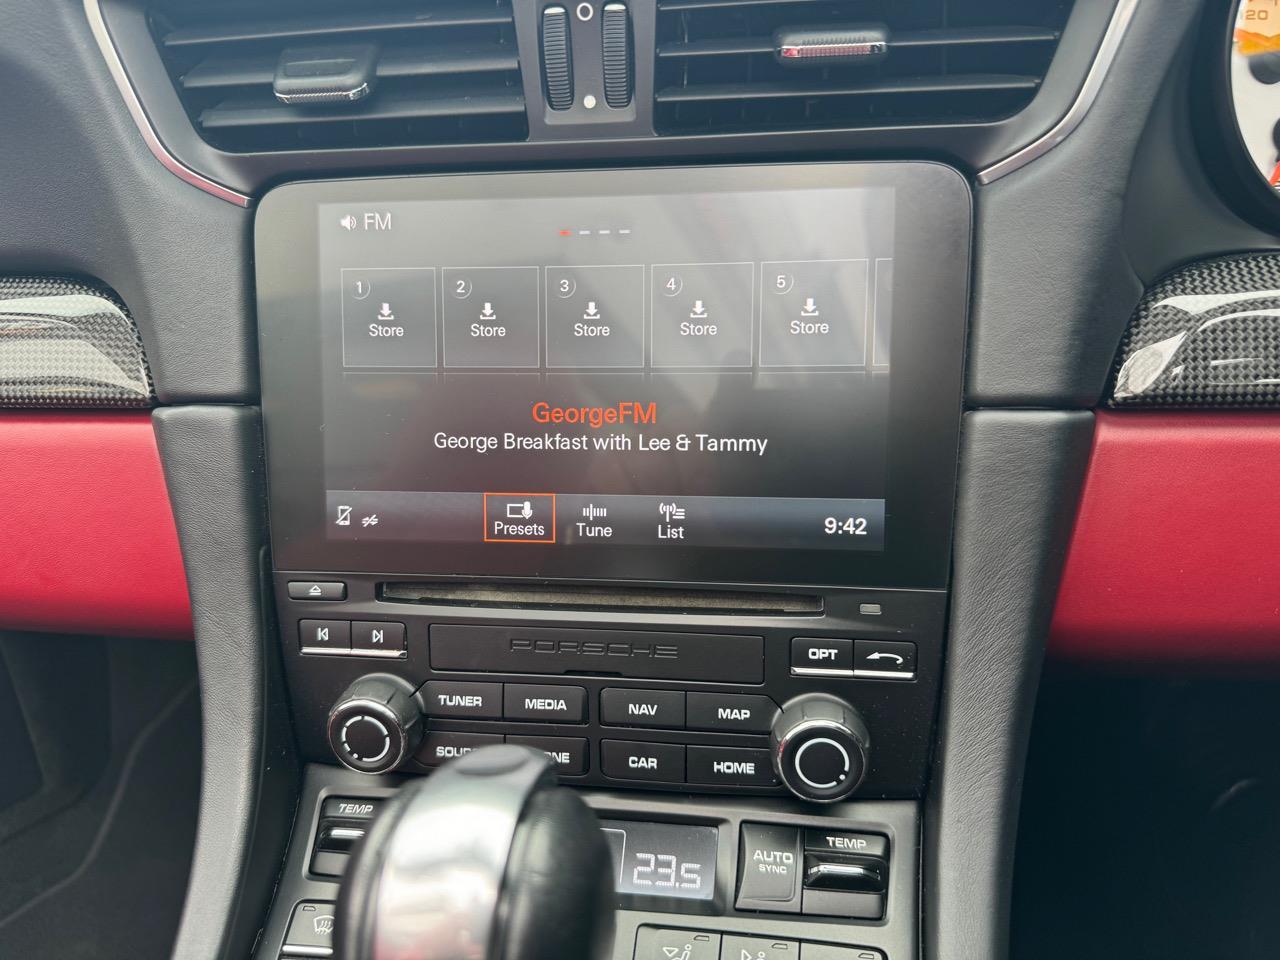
(651, 470)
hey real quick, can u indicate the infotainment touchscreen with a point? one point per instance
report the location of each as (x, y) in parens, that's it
(615, 374)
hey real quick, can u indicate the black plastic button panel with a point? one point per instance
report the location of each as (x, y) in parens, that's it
(861, 659)
(346, 638)
(667, 943)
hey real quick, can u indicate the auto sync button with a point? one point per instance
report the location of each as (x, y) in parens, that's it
(658, 762)
(545, 703)
(642, 708)
(769, 868)
(636, 654)
(731, 712)
(822, 656)
(471, 701)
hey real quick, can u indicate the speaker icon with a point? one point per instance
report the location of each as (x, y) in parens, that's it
(349, 222)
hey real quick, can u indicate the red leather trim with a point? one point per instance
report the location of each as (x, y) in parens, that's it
(87, 538)
(1176, 549)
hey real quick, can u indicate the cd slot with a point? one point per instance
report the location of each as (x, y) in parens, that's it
(604, 599)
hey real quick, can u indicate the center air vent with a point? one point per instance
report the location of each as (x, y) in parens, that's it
(434, 71)
(797, 64)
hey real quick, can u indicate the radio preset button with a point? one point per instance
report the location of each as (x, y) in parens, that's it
(569, 754)
(394, 323)
(731, 767)
(730, 712)
(814, 313)
(642, 708)
(654, 762)
(702, 314)
(471, 701)
(545, 703)
(822, 656)
(441, 746)
(491, 317)
(595, 316)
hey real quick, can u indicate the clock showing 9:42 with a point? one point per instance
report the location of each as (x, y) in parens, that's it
(663, 859)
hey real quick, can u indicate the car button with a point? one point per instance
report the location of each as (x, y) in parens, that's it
(568, 754)
(769, 868)
(821, 656)
(884, 660)
(642, 708)
(545, 703)
(731, 767)
(473, 701)
(440, 746)
(310, 930)
(325, 636)
(316, 590)
(730, 712)
(658, 762)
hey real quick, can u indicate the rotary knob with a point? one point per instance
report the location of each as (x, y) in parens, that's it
(376, 724)
(820, 747)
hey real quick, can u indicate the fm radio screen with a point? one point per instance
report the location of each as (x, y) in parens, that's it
(671, 372)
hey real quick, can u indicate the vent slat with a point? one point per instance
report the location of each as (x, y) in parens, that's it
(905, 85)
(266, 111)
(218, 71)
(944, 62)
(972, 36)
(242, 29)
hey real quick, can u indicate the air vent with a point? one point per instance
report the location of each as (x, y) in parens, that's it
(856, 63)
(444, 71)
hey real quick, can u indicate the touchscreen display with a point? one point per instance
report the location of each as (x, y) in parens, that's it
(678, 371)
(723, 375)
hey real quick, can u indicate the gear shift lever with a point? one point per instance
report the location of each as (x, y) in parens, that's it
(487, 859)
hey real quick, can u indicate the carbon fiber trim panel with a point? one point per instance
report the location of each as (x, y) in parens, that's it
(1205, 336)
(64, 343)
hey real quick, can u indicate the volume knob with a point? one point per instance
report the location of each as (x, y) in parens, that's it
(376, 724)
(820, 747)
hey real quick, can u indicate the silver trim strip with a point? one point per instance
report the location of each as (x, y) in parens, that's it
(175, 166)
(882, 675)
(819, 672)
(1102, 61)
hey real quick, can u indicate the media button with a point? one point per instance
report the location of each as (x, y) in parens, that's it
(467, 701)
(520, 518)
(702, 314)
(568, 754)
(814, 313)
(642, 708)
(655, 762)
(545, 703)
(822, 656)
(491, 317)
(595, 316)
(389, 317)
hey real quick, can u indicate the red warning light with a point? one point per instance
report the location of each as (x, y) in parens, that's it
(566, 233)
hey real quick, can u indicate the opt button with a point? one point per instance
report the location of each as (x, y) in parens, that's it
(812, 656)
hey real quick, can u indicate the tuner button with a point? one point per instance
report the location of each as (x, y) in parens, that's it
(375, 724)
(820, 746)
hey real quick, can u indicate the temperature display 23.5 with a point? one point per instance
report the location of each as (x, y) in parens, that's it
(663, 859)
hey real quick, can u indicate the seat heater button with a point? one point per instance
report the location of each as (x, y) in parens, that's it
(642, 708)
(545, 703)
(660, 943)
(473, 701)
(758, 948)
